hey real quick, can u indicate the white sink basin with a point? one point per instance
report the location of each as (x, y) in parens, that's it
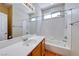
(29, 42)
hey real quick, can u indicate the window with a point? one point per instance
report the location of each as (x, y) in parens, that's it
(47, 16)
(33, 19)
(52, 15)
(55, 14)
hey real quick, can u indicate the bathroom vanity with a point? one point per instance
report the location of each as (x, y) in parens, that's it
(39, 50)
(34, 46)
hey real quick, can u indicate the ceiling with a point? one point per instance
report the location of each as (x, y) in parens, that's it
(45, 5)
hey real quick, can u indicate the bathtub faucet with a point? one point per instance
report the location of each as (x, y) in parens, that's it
(64, 41)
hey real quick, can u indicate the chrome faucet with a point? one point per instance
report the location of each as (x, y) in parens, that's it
(64, 41)
(25, 39)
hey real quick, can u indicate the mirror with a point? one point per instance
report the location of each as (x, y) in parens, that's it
(23, 23)
(20, 22)
(14, 20)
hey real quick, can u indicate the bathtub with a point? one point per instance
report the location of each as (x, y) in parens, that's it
(59, 47)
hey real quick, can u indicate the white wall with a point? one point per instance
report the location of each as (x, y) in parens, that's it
(35, 27)
(39, 19)
(53, 28)
(74, 29)
(19, 14)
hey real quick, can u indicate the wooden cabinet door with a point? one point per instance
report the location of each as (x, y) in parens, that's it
(43, 47)
(37, 51)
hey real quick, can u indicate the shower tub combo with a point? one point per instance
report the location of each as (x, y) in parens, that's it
(58, 47)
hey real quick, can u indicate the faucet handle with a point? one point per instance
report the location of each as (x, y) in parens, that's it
(65, 37)
(64, 41)
(25, 39)
(27, 33)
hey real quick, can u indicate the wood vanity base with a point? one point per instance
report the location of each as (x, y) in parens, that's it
(39, 50)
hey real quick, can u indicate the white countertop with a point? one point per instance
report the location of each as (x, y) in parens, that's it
(20, 48)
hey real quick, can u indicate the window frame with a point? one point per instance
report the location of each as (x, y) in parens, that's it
(47, 17)
(55, 14)
(33, 20)
(52, 14)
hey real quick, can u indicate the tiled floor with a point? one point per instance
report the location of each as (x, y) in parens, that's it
(49, 53)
